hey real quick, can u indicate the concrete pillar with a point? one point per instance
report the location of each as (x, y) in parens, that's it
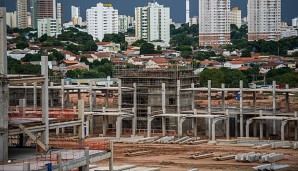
(86, 153)
(62, 94)
(82, 118)
(59, 161)
(111, 159)
(274, 104)
(193, 97)
(209, 108)
(75, 130)
(255, 128)
(45, 100)
(163, 122)
(57, 131)
(134, 119)
(163, 97)
(214, 121)
(296, 127)
(22, 107)
(223, 106)
(51, 95)
(241, 108)
(149, 120)
(63, 130)
(90, 97)
(248, 122)
(261, 125)
(25, 90)
(79, 91)
(254, 95)
(94, 99)
(228, 124)
(282, 129)
(119, 95)
(26, 166)
(178, 97)
(119, 126)
(181, 119)
(91, 125)
(236, 126)
(195, 124)
(35, 96)
(104, 122)
(287, 99)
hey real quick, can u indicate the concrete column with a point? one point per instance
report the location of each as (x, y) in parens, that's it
(195, 124)
(228, 124)
(134, 119)
(214, 121)
(209, 108)
(94, 99)
(178, 97)
(254, 94)
(45, 100)
(26, 166)
(91, 125)
(22, 107)
(248, 122)
(149, 120)
(163, 122)
(119, 126)
(119, 95)
(86, 167)
(90, 97)
(241, 108)
(296, 127)
(57, 131)
(51, 95)
(75, 130)
(79, 92)
(274, 104)
(35, 96)
(223, 106)
(81, 117)
(111, 159)
(25, 90)
(104, 122)
(287, 99)
(63, 130)
(255, 128)
(261, 125)
(163, 97)
(236, 126)
(282, 129)
(180, 125)
(193, 97)
(59, 161)
(62, 94)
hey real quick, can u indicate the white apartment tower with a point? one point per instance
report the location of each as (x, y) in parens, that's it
(235, 17)
(214, 25)
(101, 20)
(11, 19)
(264, 19)
(187, 12)
(48, 26)
(122, 23)
(59, 18)
(22, 13)
(153, 22)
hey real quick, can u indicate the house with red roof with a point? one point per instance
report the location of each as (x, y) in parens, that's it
(157, 63)
(233, 64)
(108, 47)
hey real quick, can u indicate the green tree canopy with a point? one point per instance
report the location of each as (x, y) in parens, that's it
(147, 48)
(215, 75)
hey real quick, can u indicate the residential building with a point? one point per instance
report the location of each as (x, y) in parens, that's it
(157, 63)
(233, 64)
(29, 23)
(11, 19)
(101, 20)
(76, 15)
(46, 9)
(59, 18)
(109, 47)
(152, 23)
(235, 17)
(33, 11)
(22, 14)
(187, 12)
(122, 23)
(289, 33)
(194, 20)
(131, 39)
(264, 19)
(214, 23)
(295, 22)
(47, 26)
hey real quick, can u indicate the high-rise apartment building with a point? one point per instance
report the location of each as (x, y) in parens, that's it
(59, 18)
(46, 8)
(33, 11)
(295, 22)
(47, 26)
(22, 13)
(187, 18)
(11, 19)
(264, 19)
(214, 25)
(193, 20)
(235, 17)
(101, 20)
(153, 23)
(76, 15)
(125, 22)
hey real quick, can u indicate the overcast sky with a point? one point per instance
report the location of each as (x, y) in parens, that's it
(289, 7)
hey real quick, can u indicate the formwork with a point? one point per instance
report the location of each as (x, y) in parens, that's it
(149, 92)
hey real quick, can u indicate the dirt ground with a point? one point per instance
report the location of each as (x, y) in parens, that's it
(174, 157)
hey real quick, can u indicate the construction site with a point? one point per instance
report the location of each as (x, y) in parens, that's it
(146, 120)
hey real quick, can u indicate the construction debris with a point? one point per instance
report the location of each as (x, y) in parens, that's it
(226, 156)
(282, 144)
(248, 157)
(137, 153)
(201, 155)
(271, 158)
(165, 140)
(271, 167)
(263, 146)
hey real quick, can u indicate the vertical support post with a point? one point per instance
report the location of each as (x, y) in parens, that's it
(51, 95)
(111, 159)
(62, 94)
(223, 106)
(25, 90)
(254, 98)
(248, 122)
(57, 131)
(22, 107)
(26, 166)
(79, 91)
(163, 99)
(274, 104)
(35, 96)
(241, 108)
(228, 124)
(209, 108)
(214, 121)
(45, 100)
(255, 129)
(163, 122)
(119, 95)
(86, 151)
(287, 99)
(282, 129)
(296, 127)
(134, 119)
(118, 127)
(75, 130)
(94, 99)
(178, 97)
(180, 125)
(149, 119)
(90, 97)
(81, 117)
(261, 125)
(193, 101)
(59, 161)
(105, 122)
(195, 124)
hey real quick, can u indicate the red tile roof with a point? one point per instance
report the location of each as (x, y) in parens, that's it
(77, 67)
(64, 52)
(160, 60)
(236, 62)
(243, 68)
(70, 61)
(103, 43)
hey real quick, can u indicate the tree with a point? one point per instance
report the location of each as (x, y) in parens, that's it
(215, 75)
(43, 38)
(22, 44)
(116, 38)
(147, 48)
(139, 43)
(9, 30)
(85, 60)
(245, 53)
(232, 77)
(56, 55)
